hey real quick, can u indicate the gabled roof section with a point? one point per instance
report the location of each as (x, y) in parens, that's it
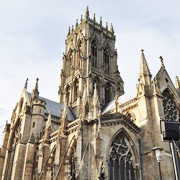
(122, 99)
(55, 108)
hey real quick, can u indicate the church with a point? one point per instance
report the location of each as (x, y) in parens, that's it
(95, 131)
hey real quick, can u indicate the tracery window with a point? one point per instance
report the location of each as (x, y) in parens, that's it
(121, 160)
(106, 60)
(94, 54)
(170, 111)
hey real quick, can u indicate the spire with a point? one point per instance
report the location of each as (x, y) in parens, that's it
(87, 13)
(76, 22)
(25, 86)
(162, 63)
(81, 18)
(72, 28)
(112, 30)
(144, 70)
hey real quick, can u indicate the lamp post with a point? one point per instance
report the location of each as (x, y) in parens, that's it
(158, 150)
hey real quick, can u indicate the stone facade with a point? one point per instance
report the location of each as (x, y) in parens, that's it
(95, 131)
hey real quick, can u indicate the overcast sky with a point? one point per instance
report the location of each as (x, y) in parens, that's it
(32, 41)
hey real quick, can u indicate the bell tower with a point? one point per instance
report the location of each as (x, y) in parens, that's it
(90, 58)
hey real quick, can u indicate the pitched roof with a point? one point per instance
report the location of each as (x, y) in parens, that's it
(122, 99)
(55, 108)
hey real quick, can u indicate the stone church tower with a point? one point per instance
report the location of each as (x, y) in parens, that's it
(95, 131)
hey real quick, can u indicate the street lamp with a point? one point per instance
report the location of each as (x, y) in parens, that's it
(158, 150)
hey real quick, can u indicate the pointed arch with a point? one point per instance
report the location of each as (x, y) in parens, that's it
(122, 156)
(94, 54)
(72, 159)
(108, 93)
(106, 59)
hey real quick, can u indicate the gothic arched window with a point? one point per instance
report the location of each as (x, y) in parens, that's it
(170, 110)
(106, 60)
(107, 94)
(76, 87)
(94, 54)
(121, 160)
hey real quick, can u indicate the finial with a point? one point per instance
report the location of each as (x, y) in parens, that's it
(72, 27)
(87, 12)
(69, 31)
(25, 86)
(162, 63)
(100, 21)
(76, 22)
(81, 18)
(107, 25)
(94, 17)
(112, 30)
(142, 50)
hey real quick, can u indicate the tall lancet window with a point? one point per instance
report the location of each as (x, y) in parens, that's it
(69, 63)
(121, 160)
(107, 93)
(79, 50)
(94, 54)
(106, 60)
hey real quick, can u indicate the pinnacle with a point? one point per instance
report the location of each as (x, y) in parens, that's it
(144, 69)
(25, 86)
(87, 13)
